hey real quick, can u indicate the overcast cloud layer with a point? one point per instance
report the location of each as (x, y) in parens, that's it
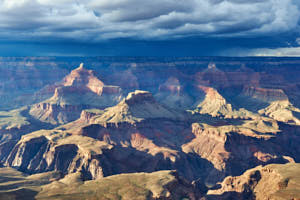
(97, 20)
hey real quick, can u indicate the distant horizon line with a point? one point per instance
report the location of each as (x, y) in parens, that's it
(138, 56)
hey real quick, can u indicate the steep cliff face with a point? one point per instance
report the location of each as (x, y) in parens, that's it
(101, 135)
(56, 114)
(82, 77)
(270, 182)
(216, 105)
(264, 94)
(54, 151)
(234, 149)
(52, 185)
(137, 106)
(103, 143)
(81, 89)
(282, 111)
(147, 135)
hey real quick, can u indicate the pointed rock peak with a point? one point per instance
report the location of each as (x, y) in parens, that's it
(214, 103)
(80, 66)
(83, 77)
(139, 96)
(211, 93)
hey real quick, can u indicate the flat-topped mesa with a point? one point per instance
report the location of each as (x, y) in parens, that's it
(265, 94)
(139, 96)
(82, 77)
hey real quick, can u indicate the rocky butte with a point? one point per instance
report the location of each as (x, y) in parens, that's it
(153, 129)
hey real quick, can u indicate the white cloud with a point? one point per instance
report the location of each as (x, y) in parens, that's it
(292, 51)
(276, 52)
(92, 20)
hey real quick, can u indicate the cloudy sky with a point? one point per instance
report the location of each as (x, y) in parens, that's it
(150, 27)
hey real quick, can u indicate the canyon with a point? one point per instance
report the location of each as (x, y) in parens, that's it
(195, 128)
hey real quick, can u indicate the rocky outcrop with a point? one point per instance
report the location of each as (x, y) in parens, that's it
(52, 185)
(270, 182)
(213, 104)
(81, 89)
(41, 152)
(87, 115)
(216, 105)
(102, 143)
(82, 77)
(158, 185)
(56, 114)
(234, 149)
(282, 111)
(56, 150)
(264, 94)
(215, 138)
(137, 106)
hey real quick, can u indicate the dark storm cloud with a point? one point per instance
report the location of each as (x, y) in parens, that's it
(152, 19)
(217, 23)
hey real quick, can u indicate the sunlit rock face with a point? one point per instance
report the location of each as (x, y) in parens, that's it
(206, 118)
(101, 143)
(274, 181)
(79, 90)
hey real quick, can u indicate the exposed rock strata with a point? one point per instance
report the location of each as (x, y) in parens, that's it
(274, 182)
(80, 90)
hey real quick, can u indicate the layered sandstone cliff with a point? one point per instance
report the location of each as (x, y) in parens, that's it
(272, 182)
(80, 90)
